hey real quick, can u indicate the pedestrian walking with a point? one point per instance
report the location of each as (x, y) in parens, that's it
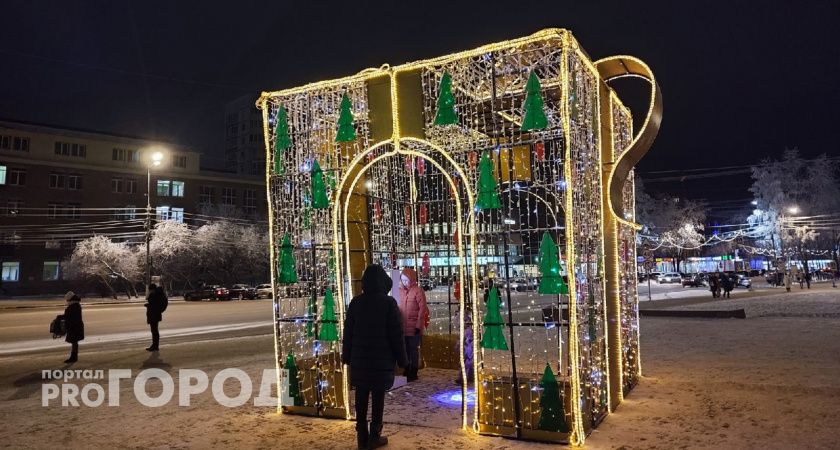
(727, 285)
(714, 285)
(415, 314)
(787, 282)
(73, 322)
(156, 304)
(373, 343)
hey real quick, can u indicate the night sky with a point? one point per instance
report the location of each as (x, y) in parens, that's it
(740, 80)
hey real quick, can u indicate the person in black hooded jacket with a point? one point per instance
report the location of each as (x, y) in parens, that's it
(156, 304)
(75, 326)
(373, 344)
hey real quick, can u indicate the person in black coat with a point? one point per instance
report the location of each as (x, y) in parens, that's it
(373, 344)
(74, 325)
(156, 304)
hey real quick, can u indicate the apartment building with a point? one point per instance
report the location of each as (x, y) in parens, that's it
(60, 185)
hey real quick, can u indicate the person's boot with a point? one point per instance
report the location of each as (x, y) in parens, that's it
(412, 375)
(73, 358)
(376, 440)
(362, 436)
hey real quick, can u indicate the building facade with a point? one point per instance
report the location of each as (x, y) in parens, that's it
(59, 186)
(244, 148)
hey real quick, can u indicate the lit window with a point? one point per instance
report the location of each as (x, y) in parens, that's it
(162, 212)
(51, 270)
(163, 188)
(177, 188)
(176, 214)
(2, 174)
(11, 271)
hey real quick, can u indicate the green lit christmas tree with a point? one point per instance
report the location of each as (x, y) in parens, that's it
(552, 414)
(294, 384)
(488, 198)
(551, 281)
(319, 189)
(286, 263)
(346, 132)
(281, 139)
(534, 114)
(446, 114)
(328, 331)
(493, 337)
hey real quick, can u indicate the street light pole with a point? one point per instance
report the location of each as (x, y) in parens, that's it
(148, 226)
(155, 160)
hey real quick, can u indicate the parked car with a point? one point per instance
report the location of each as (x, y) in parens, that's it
(695, 280)
(426, 283)
(775, 278)
(264, 291)
(516, 284)
(243, 291)
(654, 276)
(670, 277)
(742, 281)
(210, 291)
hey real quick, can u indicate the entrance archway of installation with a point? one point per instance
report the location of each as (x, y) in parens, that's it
(352, 268)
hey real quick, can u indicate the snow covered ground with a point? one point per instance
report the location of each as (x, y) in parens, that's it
(770, 381)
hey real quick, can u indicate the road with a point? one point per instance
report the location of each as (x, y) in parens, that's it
(24, 331)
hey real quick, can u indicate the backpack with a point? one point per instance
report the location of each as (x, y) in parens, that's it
(58, 327)
(164, 302)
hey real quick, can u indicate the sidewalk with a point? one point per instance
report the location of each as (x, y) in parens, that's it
(52, 302)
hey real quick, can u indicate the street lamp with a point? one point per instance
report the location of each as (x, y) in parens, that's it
(793, 209)
(155, 160)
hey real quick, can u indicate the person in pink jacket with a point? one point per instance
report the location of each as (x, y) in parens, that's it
(415, 314)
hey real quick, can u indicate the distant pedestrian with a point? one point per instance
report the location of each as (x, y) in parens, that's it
(373, 343)
(808, 279)
(74, 325)
(787, 281)
(727, 285)
(714, 285)
(156, 304)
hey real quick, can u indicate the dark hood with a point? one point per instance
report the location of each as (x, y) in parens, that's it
(375, 280)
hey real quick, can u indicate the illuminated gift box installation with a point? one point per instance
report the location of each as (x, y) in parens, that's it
(511, 162)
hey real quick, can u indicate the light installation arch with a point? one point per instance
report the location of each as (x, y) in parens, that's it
(482, 169)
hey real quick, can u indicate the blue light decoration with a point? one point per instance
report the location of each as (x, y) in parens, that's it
(452, 397)
(561, 185)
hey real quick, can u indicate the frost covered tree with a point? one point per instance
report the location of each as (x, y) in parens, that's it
(229, 253)
(173, 253)
(675, 223)
(113, 264)
(789, 193)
